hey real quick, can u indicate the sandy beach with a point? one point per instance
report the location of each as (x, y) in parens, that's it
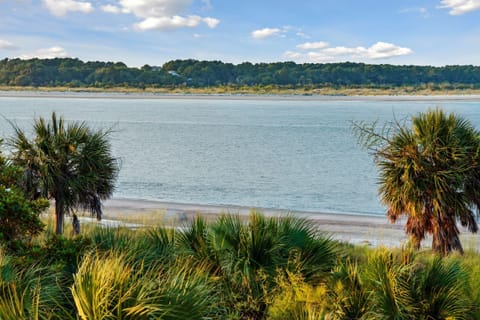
(360, 229)
(352, 228)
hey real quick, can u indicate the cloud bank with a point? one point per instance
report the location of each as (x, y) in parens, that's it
(46, 53)
(61, 8)
(160, 14)
(322, 52)
(459, 7)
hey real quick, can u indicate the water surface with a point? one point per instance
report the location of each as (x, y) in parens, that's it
(292, 154)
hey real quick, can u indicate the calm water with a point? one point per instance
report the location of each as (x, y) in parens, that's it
(294, 155)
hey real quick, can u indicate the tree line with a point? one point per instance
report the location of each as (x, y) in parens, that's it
(73, 72)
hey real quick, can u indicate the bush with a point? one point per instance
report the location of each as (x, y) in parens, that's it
(19, 216)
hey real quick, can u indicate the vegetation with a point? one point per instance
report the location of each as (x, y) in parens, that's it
(67, 162)
(429, 172)
(19, 216)
(73, 73)
(202, 272)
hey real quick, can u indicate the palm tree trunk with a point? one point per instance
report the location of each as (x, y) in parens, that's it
(445, 235)
(59, 215)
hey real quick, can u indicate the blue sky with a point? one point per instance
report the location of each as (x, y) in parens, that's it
(138, 32)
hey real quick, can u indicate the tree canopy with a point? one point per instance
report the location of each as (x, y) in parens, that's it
(67, 162)
(430, 174)
(76, 73)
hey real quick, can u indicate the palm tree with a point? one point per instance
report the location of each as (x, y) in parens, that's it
(69, 163)
(430, 173)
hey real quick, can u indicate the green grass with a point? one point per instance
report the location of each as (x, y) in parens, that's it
(231, 268)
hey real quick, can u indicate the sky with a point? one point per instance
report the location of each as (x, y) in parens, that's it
(139, 32)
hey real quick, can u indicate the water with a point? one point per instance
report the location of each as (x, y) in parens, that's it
(292, 155)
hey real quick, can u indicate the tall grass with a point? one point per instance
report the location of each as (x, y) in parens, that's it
(109, 287)
(295, 299)
(420, 287)
(32, 292)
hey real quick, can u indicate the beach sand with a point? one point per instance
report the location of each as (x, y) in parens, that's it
(370, 230)
(227, 96)
(352, 228)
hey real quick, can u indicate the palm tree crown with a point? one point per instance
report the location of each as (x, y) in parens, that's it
(67, 162)
(430, 173)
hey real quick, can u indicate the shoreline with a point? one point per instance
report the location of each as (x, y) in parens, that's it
(233, 96)
(357, 229)
(347, 227)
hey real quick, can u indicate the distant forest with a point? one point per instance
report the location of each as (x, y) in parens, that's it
(76, 73)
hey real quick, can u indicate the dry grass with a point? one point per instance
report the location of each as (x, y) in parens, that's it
(261, 90)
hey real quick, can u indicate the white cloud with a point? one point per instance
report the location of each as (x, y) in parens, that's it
(111, 9)
(155, 8)
(459, 7)
(211, 22)
(6, 45)
(169, 23)
(62, 7)
(265, 33)
(341, 51)
(321, 52)
(313, 45)
(47, 53)
(381, 50)
(161, 14)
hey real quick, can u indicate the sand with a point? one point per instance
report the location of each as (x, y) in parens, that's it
(227, 96)
(358, 229)
(370, 230)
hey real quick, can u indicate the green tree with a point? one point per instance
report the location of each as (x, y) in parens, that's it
(19, 216)
(69, 163)
(430, 173)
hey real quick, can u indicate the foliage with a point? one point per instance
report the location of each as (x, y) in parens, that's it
(426, 287)
(19, 216)
(31, 292)
(68, 162)
(111, 288)
(65, 252)
(248, 254)
(68, 72)
(295, 299)
(430, 173)
(349, 295)
(155, 273)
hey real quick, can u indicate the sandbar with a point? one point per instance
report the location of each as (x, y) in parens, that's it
(234, 96)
